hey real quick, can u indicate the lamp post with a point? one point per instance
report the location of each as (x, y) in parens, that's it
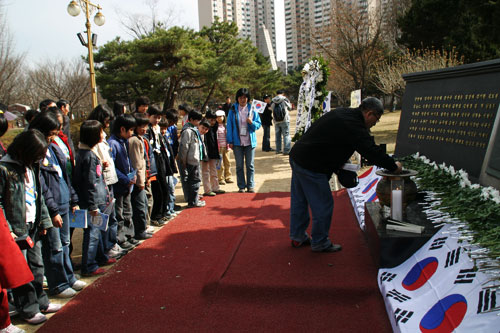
(74, 10)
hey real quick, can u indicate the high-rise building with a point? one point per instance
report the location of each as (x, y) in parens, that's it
(303, 19)
(254, 18)
(307, 23)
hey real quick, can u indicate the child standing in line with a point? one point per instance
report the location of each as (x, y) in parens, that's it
(26, 215)
(165, 166)
(138, 197)
(60, 198)
(102, 114)
(123, 129)
(190, 154)
(93, 195)
(209, 167)
(224, 173)
(172, 117)
(171, 181)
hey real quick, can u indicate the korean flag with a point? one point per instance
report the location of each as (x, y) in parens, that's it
(258, 106)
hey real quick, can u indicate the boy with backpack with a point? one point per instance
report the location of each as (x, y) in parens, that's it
(281, 107)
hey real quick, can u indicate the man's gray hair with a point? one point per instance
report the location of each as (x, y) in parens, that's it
(372, 104)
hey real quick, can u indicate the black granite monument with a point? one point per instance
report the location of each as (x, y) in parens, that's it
(449, 115)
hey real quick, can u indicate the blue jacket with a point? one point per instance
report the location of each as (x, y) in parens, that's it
(51, 182)
(88, 180)
(232, 127)
(119, 153)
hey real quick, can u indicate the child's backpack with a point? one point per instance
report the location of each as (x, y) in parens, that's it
(279, 112)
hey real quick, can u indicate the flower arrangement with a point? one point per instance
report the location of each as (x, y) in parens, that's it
(312, 93)
(474, 209)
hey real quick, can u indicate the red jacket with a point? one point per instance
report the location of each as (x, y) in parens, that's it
(64, 138)
(14, 270)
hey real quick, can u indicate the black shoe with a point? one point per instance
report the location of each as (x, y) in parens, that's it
(158, 223)
(331, 248)
(303, 243)
(126, 245)
(142, 236)
(177, 208)
(133, 241)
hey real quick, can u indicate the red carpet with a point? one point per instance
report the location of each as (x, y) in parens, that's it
(229, 267)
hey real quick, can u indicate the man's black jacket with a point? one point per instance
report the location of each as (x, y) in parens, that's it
(333, 138)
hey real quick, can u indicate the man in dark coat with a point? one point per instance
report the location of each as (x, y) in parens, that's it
(226, 106)
(266, 118)
(322, 150)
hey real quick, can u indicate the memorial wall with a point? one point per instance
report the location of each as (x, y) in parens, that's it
(449, 115)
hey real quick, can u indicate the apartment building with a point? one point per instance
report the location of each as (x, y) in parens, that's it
(308, 21)
(254, 18)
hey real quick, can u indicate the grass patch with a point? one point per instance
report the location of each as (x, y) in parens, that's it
(386, 130)
(8, 137)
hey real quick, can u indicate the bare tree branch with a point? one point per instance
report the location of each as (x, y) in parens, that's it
(10, 63)
(138, 25)
(62, 80)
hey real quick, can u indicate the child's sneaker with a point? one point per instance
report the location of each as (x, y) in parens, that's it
(12, 329)
(200, 203)
(36, 319)
(53, 307)
(229, 181)
(79, 285)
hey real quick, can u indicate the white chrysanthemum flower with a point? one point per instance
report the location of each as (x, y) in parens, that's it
(475, 186)
(451, 169)
(416, 155)
(463, 174)
(462, 183)
(485, 194)
(319, 93)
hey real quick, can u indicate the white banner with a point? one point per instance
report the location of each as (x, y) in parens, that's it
(438, 290)
(355, 98)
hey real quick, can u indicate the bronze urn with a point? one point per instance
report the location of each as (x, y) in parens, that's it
(384, 186)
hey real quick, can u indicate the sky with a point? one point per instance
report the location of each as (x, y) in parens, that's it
(43, 29)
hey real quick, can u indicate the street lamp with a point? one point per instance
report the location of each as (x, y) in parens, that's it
(74, 10)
